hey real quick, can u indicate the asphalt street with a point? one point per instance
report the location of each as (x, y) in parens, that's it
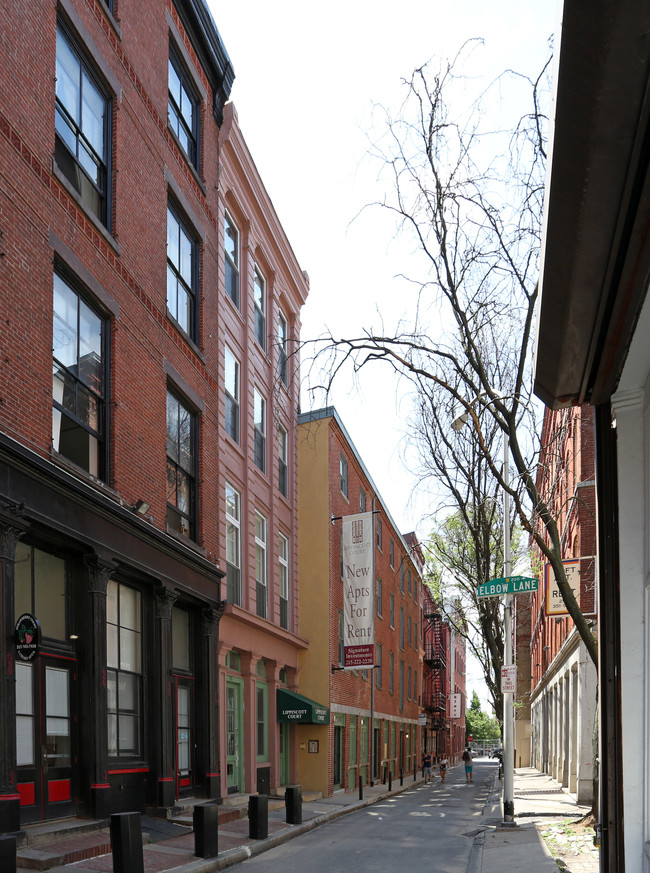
(430, 826)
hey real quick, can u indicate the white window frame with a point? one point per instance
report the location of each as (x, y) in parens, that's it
(283, 579)
(232, 400)
(259, 426)
(261, 564)
(233, 532)
(259, 301)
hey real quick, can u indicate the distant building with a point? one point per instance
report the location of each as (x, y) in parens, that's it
(365, 723)
(563, 677)
(444, 694)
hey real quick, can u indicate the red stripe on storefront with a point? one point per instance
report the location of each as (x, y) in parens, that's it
(131, 770)
(58, 789)
(26, 793)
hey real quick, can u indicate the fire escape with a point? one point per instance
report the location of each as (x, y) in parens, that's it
(435, 668)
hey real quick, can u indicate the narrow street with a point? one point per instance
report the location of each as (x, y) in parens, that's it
(431, 826)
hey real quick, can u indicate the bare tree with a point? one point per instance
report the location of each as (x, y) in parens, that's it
(470, 196)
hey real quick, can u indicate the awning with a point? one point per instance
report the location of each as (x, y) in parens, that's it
(296, 709)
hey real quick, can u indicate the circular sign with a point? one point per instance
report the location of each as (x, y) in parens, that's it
(27, 637)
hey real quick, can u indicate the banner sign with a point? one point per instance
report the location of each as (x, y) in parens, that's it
(508, 678)
(455, 704)
(554, 602)
(357, 544)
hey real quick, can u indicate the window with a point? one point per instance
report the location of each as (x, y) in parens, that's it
(124, 670)
(181, 427)
(183, 109)
(378, 659)
(259, 424)
(260, 564)
(409, 580)
(362, 500)
(343, 474)
(233, 545)
(379, 533)
(262, 721)
(82, 127)
(259, 298)
(401, 628)
(401, 684)
(410, 626)
(283, 340)
(379, 593)
(415, 685)
(182, 281)
(283, 579)
(180, 639)
(341, 643)
(78, 380)
(391, 615)
(408, 685)
(231, 251)
(391, 665)
(283, 449)
(401, 576)
(232, 395)
(391, 552)
(40, 589)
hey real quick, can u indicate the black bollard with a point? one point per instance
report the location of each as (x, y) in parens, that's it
(258, 816)
(415, 773)
(385, 775)
(360, 787)
(390, 780)
(293, 804)
(206, 830)
(126, 842)
(8, 853)
(401, 776)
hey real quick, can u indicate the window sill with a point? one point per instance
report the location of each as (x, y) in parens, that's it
(82, 473)
(101, 228)
(114, 23)
(191, 544)
(193, 170)
(188, 339)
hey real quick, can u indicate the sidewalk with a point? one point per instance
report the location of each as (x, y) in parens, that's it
(539, 801)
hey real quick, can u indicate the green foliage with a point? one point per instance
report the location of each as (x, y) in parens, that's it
(480, 725)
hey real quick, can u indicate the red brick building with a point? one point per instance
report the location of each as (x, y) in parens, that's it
(138, 247)
(563, 678)
(444, 695)
(373, 725)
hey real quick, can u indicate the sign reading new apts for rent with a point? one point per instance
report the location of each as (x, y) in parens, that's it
(357, 543)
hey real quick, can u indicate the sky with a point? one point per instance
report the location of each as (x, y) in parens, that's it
(312, 82)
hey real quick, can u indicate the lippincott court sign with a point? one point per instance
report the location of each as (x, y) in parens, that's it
(507, 585)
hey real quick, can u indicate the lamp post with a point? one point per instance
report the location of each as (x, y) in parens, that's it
(508, 708)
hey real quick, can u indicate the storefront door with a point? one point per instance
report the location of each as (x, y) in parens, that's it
(44, 741)
(234, 738)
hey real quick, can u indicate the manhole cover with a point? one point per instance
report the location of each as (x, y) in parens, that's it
(529, 793)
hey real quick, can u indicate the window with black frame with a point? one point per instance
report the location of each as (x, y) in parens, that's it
(232, 372)
(124, 670)
(82, 125)
(183, 108)
(259, 300)
(283, 478)
(231, 258)
(259, 428)
(182, 272)
(78, 380)
(181, 467)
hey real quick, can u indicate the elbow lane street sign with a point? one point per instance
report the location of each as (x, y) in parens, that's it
(507, 585)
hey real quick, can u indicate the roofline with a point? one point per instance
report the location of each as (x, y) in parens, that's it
(330, 412)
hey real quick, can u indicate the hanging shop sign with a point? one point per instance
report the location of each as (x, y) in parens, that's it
(27, 637)
(357, 543)
(554, 602)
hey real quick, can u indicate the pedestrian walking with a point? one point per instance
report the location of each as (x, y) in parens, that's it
(426, 766)
(467, 758)
(443, 768)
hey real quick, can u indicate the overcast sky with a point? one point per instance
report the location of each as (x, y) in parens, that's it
(308, 81)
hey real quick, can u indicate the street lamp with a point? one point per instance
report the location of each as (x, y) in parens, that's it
(508, 707)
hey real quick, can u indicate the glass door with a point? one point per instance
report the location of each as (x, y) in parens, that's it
(44, 727)
(184, 738)
(234, 746)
